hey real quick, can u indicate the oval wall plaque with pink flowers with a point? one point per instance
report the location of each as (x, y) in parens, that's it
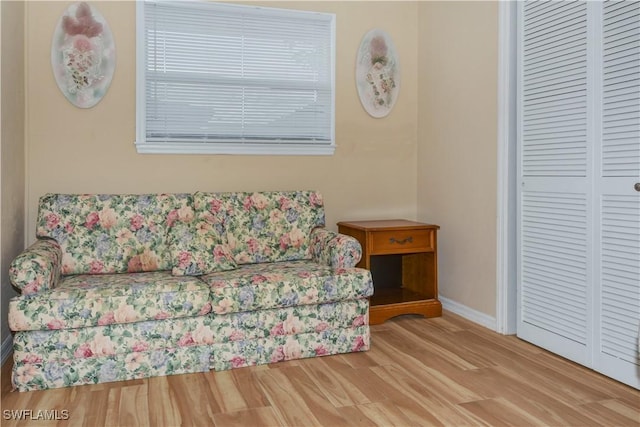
(377, 73)
(83, 55)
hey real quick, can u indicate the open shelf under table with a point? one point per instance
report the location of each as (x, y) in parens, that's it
(383, 296)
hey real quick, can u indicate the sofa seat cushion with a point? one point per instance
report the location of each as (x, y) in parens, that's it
(90, 300)
(285, 284)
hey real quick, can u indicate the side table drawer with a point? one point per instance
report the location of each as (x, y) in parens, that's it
(402, 241)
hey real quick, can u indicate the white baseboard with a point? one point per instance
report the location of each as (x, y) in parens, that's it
(469, 313)
(6, 348)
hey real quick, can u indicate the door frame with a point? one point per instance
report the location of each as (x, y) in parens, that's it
(506, 255)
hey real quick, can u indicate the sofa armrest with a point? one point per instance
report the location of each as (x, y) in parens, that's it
(334, 249)
(37, 268)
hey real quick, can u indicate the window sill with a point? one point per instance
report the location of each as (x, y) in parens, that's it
(235, 149)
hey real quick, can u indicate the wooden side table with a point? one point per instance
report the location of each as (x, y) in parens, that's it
(403, 259)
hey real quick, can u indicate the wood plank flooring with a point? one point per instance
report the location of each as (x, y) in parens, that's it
(420, 372)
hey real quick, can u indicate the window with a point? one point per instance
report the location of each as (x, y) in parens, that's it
(231, 79)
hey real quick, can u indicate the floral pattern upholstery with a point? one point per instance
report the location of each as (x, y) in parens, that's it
(37, 268)
(90, 300)
(99, 301)
(113, 339)
(266, 226)
(285, 284)
(105, 233)
(45, 373)
(114, 352)
(334, 250)
(116, 338)
(196, 243)
(295, 320)
(38, 373)
(238, 354)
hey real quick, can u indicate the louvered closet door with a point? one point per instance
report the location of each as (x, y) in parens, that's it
(579, 160)
(554, 204)
(617, 293)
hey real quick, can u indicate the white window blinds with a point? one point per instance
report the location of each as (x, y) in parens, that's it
(222, 78)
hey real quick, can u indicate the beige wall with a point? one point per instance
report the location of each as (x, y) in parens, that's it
(12, 157)
(433, 158)
(372, 174)
(457, 145)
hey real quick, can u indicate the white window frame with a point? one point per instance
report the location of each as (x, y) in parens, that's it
(268, 146)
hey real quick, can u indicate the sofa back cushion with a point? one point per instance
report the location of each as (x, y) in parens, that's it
(104, 233)
(266, 226)
(197, 244)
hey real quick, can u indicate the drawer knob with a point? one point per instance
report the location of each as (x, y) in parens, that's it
(401, 242)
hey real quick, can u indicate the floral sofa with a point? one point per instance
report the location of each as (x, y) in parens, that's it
(119, 287)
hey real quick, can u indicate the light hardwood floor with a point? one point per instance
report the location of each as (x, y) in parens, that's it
(442, 371)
